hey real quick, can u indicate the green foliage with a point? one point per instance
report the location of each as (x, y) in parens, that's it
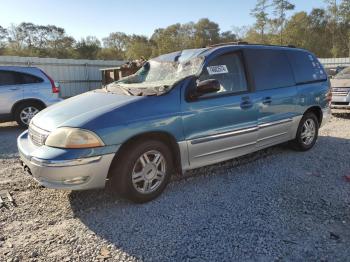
(324, 31)
(262, 17)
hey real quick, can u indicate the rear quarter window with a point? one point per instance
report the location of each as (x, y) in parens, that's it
(271, 68)
(306, 67)
(7, 78)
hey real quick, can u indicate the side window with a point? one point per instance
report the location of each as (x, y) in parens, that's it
(270, 68)
(7, 78)
(17, 78)
(306, 67)
(23, 78)
(228, 70)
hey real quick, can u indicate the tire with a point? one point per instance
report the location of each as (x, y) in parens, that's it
(139, 178)
(25, 112)
(306, 139)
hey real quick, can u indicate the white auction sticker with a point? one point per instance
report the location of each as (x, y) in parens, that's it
(218, 69)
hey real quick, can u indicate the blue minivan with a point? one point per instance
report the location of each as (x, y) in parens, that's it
(180, 111)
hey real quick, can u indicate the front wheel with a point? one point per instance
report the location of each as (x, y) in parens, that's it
(142, 170)
(307, 133)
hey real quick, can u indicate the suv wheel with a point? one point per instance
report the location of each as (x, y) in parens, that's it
(25, 112)
(142, 171)
(307, 133)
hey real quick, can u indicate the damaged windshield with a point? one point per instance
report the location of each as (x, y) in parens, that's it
(158, 75)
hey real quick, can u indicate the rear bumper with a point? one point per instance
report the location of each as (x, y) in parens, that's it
(52, 101)
(72, 174)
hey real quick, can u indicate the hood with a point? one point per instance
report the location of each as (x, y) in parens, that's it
(340, 82)
(76, 111)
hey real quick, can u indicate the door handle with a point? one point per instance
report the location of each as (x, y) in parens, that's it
(246, 104)
(267, 100)
(14, 88)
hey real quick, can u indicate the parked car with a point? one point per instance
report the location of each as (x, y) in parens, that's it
(180, 111)
(24, 91)
(333, 71)
(341, 90)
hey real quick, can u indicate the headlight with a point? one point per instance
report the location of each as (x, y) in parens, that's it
(67, 137)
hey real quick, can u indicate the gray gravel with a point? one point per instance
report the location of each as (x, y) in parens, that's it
(276, 204)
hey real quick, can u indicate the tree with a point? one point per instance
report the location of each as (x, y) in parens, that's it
(228, 36)
(3, 37)
(344, 17)
(319, 36)
(280, 8)
(116, 43)
(206, 33)
(261, 17)
(139, 47)
(88, 48)
(173, 38)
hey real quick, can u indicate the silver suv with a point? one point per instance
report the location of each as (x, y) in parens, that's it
(24, 91)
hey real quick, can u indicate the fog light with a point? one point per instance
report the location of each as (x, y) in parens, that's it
(76, 181)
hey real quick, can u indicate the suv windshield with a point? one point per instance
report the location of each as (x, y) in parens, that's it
(158, 75)
(344, 74)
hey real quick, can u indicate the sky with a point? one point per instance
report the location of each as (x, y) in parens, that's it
(81, 18)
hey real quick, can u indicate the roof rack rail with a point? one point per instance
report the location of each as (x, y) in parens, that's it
(229, 43)
(246, 43)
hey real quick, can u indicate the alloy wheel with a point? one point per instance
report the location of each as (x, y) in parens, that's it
(27, 114)
(308, 131)
(149, 172)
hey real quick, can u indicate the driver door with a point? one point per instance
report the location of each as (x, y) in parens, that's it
(221, 125)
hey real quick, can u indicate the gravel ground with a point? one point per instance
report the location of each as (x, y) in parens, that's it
(276, 204)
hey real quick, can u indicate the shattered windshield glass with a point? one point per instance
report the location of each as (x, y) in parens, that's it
(159, 74)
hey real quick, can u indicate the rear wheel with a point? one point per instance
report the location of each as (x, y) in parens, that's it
(142, 171)
(25, 112)
(307, 133)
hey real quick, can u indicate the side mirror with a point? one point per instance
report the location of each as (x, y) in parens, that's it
(207, 86)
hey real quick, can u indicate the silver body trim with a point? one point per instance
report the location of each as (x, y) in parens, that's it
(223, 135)
(287, 120)
(224, 146)
(226, 149)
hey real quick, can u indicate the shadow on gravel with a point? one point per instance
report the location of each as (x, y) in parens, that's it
(344, 115)
(8, 139)
(257, 210)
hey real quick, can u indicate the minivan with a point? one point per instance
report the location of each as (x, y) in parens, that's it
(180, 111)
(24, 91)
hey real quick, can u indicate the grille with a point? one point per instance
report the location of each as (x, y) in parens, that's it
(340, 103)
(340, 91)
(37, 135)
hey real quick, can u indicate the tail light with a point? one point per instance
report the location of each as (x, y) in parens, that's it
(329, 96)
(55, 86)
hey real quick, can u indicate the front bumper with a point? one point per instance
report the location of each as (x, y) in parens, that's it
(72, 174)
(341, 101)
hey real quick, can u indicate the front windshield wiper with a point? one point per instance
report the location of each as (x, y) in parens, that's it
(125, 90)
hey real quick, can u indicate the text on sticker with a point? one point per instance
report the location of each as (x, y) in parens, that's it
(218, 69)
